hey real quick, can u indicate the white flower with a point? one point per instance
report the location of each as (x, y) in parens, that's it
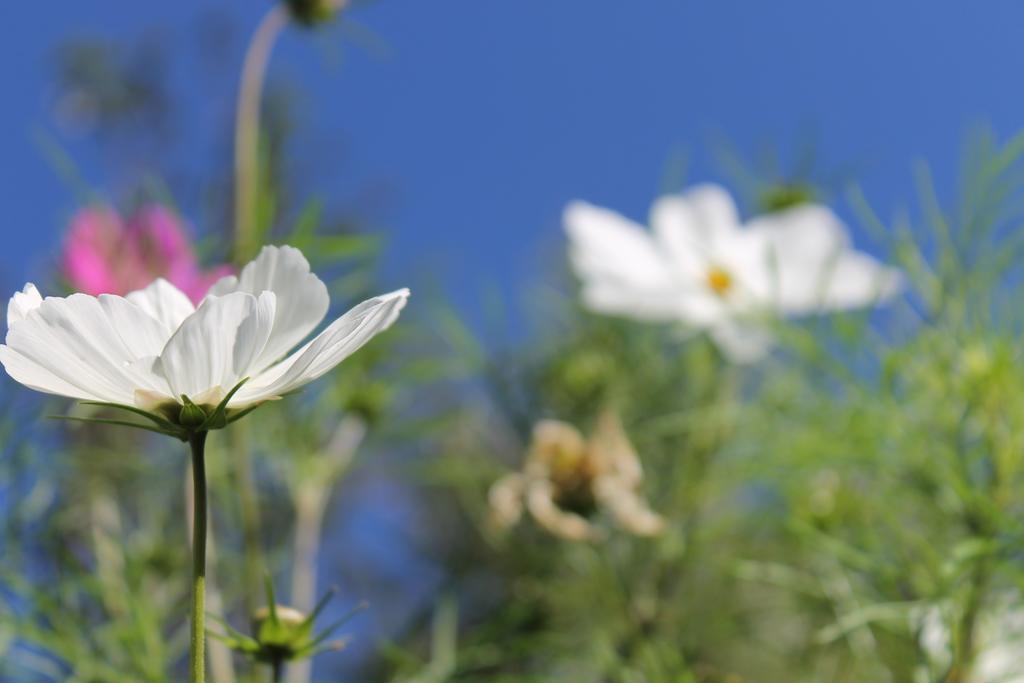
(701, 266)
(152, 347)
(999, 640)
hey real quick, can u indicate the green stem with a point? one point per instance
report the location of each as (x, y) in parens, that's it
(277, 671)
(979, 525)
(247, 128)
(965, 647)
(198, 632)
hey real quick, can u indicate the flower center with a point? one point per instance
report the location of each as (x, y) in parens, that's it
(719, 280)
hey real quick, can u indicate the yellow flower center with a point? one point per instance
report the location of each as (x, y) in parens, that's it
(719, 280)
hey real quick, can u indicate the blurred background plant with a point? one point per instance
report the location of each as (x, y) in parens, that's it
(844, 510)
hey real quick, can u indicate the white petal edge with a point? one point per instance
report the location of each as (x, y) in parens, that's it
(34, 376)
(165, 303)
(21, 303)
(74, 339)
(741, 343)
(302, 298)
(607, 248)
(210, 352)
(142, 334)
(341, 339)
(615, 299)
(815, 268)
(692, 226)
(853, 280)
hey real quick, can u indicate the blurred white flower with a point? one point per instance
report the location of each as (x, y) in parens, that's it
(701, 266)
(152, 347)
(999, 641)
(566, 479)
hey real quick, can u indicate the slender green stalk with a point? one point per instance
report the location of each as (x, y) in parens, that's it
(979, 525)
(247, 127)
(965, 646)
(277, 671)
(198, 632)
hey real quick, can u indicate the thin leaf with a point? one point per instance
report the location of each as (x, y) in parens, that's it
(120, 423)
(163, 422)
(319, 607)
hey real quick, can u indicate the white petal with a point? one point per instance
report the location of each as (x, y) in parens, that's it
(609, 250)
(302, 299)
(810, 232)
(253, 336)
(342, 338)
(214, 348)
(21, 303)
(814, 267)
(35, 376)
(857, 280)
(165, 303)
(803, 243)
(74, 340)
(692, 226)
(615, 299)
(747, 257)
(142, 334)
(741, 342)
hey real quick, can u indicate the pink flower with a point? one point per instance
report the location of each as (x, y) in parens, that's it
(104, 254)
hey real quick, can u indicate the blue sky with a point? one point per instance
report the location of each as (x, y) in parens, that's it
(485, 118)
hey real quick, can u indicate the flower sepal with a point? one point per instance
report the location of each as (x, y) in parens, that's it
(180, 420)
(283, 634)
(313, 12)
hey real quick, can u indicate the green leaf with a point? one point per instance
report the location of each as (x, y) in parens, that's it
(329, 631)
(268, 586)
(121, 423)
(161, 421)
(242, 413)
(319, 607)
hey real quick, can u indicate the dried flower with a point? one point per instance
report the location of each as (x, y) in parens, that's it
(567, 479)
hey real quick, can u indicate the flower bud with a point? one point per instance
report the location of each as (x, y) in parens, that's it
(282, 633)
(191, 415)
(785, 196)
(313, 12)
